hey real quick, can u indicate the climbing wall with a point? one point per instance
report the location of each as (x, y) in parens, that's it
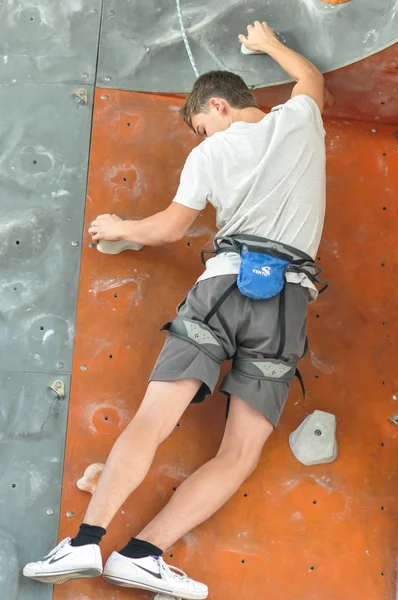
(331, 527)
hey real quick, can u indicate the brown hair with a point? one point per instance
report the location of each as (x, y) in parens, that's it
(216, 84)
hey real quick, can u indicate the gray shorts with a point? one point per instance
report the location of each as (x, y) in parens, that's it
(246, 328)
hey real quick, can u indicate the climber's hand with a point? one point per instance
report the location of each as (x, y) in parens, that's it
(106, 227)
(259, 37)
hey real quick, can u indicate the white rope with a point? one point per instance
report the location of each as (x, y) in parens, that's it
(185, 38)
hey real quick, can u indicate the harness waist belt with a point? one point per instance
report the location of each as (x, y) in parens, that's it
(234, 242)
(199, 334)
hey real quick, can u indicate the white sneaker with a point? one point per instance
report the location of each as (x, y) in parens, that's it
(66, 562)
(151, 573)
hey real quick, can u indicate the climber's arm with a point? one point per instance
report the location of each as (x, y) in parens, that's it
(167, 226)
(310, 81)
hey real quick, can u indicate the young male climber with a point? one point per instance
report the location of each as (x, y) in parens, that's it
(265, 176)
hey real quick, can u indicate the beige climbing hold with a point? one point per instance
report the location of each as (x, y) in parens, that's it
(117, 247)
(314, 441)
(89, 481)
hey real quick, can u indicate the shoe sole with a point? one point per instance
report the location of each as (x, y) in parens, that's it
(64, 577)
(132, 584)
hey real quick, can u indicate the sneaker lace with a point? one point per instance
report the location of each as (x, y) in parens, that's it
(172, 571)
(56, 549)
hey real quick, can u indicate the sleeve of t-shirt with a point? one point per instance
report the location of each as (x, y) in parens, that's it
(194, 190)
(306, 108)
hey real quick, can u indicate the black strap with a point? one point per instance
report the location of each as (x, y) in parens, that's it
(300, 378)
(205, 251)
(219, 302)
(228, 405)
(282, 323)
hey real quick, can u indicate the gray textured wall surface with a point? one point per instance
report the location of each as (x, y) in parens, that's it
(31, 463)
(48, 54)
(142, 49)
(47, 40)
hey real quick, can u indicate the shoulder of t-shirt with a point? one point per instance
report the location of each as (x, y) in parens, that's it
(305, 106)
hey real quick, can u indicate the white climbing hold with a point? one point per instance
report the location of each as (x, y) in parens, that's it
(314, 441)
(245, 50)
(89, 481)
(116, 247)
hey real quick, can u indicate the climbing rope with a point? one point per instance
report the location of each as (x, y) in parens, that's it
(185, 38)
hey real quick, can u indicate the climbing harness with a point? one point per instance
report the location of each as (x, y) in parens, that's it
(185, 38)
(262, 275)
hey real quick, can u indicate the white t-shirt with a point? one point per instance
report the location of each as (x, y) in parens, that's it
(266, 179)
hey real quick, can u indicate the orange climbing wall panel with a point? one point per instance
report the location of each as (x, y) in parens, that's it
(292, 532)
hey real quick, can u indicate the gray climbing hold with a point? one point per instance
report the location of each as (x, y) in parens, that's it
(314, 441)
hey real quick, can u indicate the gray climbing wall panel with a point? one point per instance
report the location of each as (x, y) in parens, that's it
(31, 458)
(44, 40)
(44, 140)
(48, 53)
(148, 54)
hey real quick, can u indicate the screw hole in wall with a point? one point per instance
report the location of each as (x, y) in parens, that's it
(312, 568)
(382, 444)
(383, 508)
(106, 418)
(41, 328)
(13, 485)
(314, 502)
(318, 258)
(383, 264)
(34, 162)
(384, 323)
(32, 18)
(111, 356)
(124, 178)
(316, 376)
(17, 242)
(245, 495)
(318, 316)
(384, 153)
(382, 573)
(178, 424)
(384, 382)
(174, 489)
(15, 289)
(189, 244)
(115, 295)
(128, 124)
(243, 561)
(171, 555)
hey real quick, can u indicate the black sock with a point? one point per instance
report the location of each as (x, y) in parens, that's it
(140, 549)
(88, 534)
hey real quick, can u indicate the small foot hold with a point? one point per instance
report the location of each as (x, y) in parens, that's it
(89, 481)
(117, 247)
(245, 50)
(314, 441)
(163, 597)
